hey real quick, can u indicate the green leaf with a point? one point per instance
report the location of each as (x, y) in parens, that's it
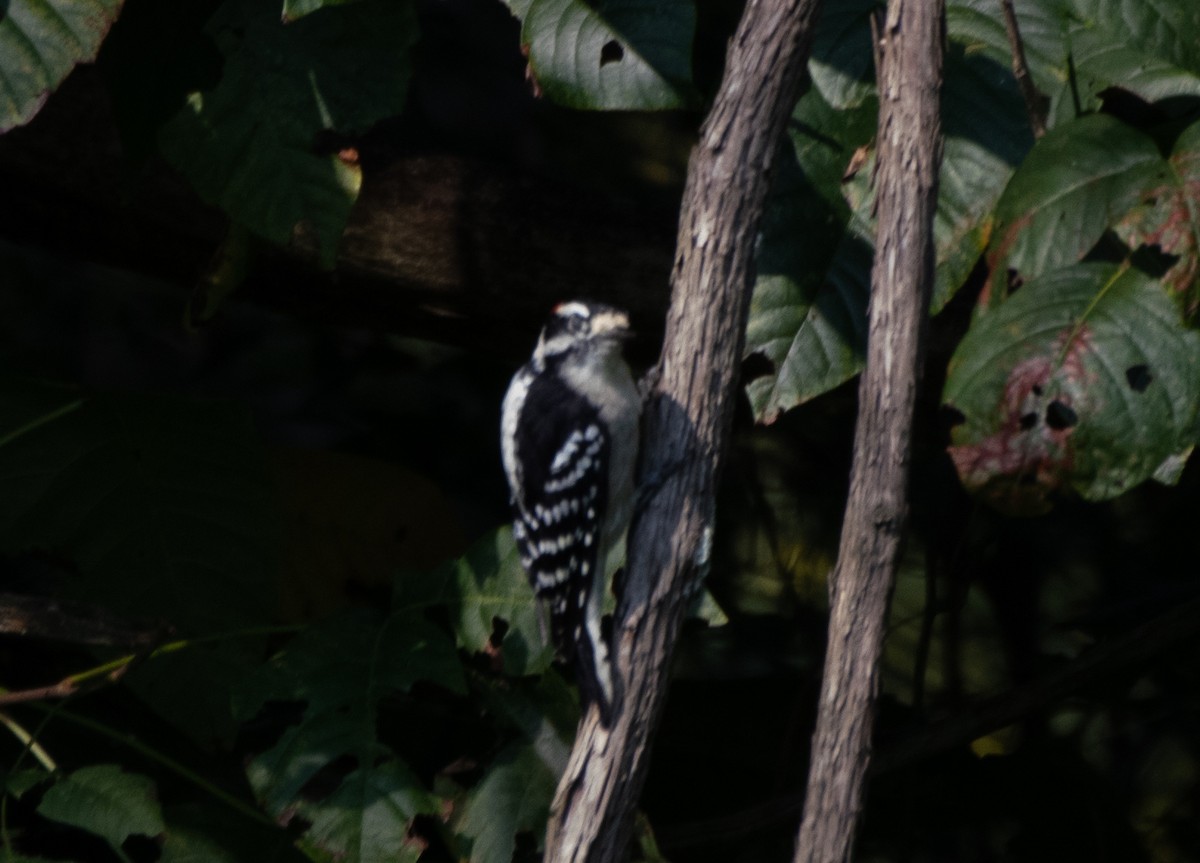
(513, 797)
(612, 55)
(841, 64)
(248, 145)
(18, 782)
(808, 312)
(166, 509)
(986, 135)
(41, 41)
(1147, 47)
(493, 586)
(106, 801)
(367, 818)
(203, 833)
(484, 588)
(341, 669)
(1168, 217)
(1085, 379)
(1077, 181)
(296, 9)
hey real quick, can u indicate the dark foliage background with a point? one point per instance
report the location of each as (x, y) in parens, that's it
(249, 496)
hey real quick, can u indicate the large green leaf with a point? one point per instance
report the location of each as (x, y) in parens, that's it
(986, 136)
(513, 797)
(1147, 47)
(41, 41)
(104, 800)
(610, 55)
(1085, 379)
(1078, 181)
(166, 510)
(1169, 217)
(340, 670)
(1077, 49)
(841, 64)
(808, 312)
(250, 145)
(514, 794)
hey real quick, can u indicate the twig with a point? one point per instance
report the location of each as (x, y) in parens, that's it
(1036, 103)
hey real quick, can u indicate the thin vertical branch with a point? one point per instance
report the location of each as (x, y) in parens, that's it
(911, 47)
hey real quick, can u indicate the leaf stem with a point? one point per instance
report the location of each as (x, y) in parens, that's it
(41, 421)
(164, 761)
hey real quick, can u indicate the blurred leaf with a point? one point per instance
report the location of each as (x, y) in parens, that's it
(1078, 181)
(1085, 378)
(513, 797)
(485, 587)
(17, 782)
(104, 800)
(633, 55)
(203, 833)
(966, 653)
(364, 797)
(250, 145)
(351, 522)
(367, 818)
(164, 506)
(294, 9)
(41, 41)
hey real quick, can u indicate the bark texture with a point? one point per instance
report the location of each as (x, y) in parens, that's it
(687, 420)
(909, 151)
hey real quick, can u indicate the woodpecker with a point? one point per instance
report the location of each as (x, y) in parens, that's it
(569, 443)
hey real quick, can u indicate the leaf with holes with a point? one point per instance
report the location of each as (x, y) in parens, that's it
(488, 595)
(330, 767)
(986, 136)
(1168, 217)
(632, 55)
(41, 41)
(105, 800)
(251, 144)
(1085, 379)
(1078, 181)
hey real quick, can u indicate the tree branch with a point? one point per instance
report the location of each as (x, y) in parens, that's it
(909, 153)
(687, 419)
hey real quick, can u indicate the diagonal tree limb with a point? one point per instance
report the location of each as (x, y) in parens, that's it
(687, 420)
(911, 47)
